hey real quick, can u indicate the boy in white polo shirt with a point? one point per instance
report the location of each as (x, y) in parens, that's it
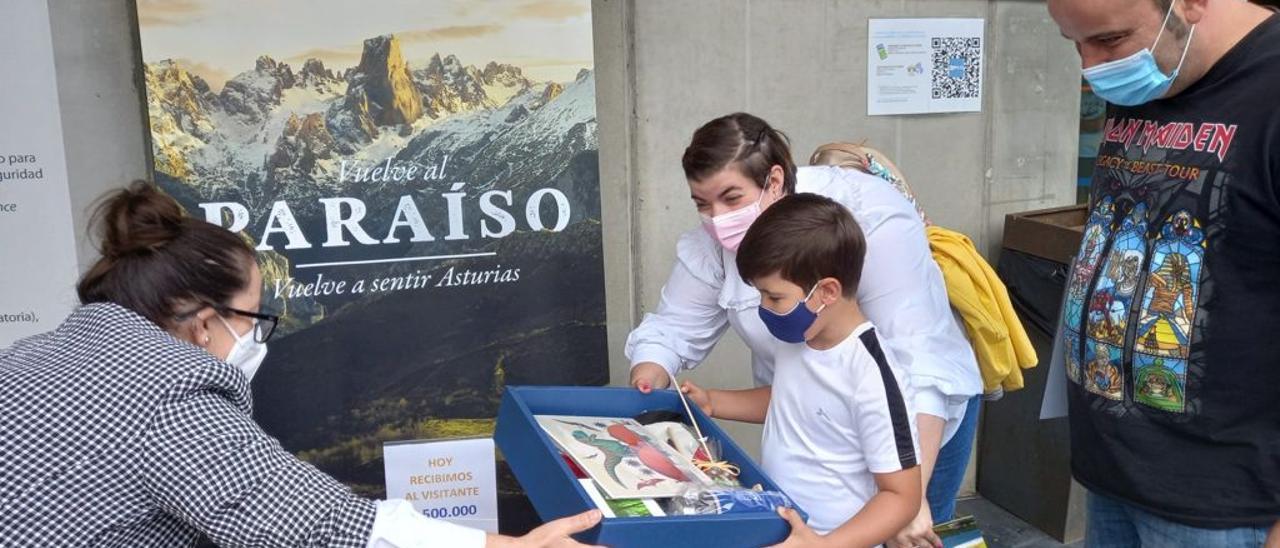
(839, 433)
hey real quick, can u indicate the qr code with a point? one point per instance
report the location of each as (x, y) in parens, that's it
(957, 68)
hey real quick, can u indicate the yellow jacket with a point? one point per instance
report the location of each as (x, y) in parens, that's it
(999, 341)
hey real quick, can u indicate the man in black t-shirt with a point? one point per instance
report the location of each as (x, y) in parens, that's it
(1170, 329)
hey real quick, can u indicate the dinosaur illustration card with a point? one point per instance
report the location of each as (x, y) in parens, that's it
(622, 458)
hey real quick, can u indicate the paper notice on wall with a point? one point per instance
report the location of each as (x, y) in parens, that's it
(37, 247)
(924, 66)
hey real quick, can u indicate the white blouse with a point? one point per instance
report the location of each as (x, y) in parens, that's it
(901, 292)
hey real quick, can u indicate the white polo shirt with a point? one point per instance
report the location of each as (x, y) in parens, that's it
(901, 292)
(836, 417)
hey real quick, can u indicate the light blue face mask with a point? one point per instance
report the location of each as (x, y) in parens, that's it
(1136, 79)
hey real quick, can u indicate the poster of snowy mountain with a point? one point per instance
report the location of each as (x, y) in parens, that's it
(420, 180)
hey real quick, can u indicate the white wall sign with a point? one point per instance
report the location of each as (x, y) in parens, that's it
(450, 480)
(37, 249)
(923, 66)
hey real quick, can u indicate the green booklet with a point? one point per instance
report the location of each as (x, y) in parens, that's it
(621, 508)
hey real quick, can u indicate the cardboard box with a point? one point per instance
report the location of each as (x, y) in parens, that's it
(555, 493)
(1052, 234)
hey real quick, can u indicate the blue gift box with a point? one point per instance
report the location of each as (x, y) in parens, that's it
(535, 460)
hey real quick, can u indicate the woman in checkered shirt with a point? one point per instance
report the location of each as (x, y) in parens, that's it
(129, 424)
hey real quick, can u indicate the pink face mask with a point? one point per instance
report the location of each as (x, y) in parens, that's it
(729, 228)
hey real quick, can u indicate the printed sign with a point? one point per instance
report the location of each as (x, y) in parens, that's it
(450, 480)
(922, 66)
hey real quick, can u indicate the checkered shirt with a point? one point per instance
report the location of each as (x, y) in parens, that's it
(114, 433)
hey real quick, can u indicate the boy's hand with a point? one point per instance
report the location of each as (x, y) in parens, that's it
(649, 376)
(801, 535)
(917, 533)
(699, 396)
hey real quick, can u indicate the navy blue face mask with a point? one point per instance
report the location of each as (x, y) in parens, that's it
(790, 327)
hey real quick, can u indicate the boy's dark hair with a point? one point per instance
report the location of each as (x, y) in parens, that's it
(804, 238)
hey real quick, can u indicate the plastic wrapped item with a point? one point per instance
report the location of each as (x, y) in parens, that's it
(682, 439)
(727, 501)
(678, 436)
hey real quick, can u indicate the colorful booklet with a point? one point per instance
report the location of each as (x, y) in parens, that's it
(622, 457)
(962, 532)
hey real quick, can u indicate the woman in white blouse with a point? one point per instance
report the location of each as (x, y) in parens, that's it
(737, 166)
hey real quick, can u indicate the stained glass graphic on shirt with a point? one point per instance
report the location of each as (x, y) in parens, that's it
(1102, 372)
(1163, 338)
(1086, 263)
(1108, 306)
(1169, 304)
(1071, 347)
(1160, 382)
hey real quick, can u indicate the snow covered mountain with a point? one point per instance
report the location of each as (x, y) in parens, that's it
(274, 133)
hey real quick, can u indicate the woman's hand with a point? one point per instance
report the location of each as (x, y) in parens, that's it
(801, 535)
(917, 533)
(699, 396)
(549, 535)
(649, 376)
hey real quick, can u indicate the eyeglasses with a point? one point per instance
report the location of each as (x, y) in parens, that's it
(264, 325)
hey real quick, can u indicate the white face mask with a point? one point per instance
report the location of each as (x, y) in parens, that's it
(246, 354)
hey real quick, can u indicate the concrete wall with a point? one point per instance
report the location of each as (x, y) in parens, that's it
(664, 67)
(103, 117)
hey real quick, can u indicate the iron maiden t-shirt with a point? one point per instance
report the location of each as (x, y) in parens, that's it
(1171, 321)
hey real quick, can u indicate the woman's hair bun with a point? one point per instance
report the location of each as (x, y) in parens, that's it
(139, 219)
(158, 261)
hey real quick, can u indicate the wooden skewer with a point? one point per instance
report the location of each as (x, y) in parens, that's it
(710, 463)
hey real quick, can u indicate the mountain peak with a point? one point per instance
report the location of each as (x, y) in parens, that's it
(178, 99)
(381, 41)
(254, 93)
(315, 67)
(173, 72)
(384, 80)
(314, 74)
(161, 65)
(448, 67)
(266, 63)
(552, 91)
(494, 71)
(282, 72)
